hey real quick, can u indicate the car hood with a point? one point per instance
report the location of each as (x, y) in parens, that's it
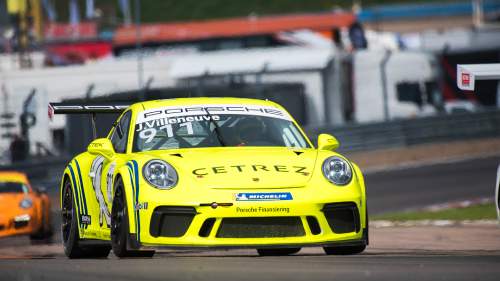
(243, 168)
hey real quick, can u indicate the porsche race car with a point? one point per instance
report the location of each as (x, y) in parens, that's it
(24, 210)
(209, 173)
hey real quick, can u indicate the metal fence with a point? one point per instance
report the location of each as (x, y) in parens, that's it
(400, 133)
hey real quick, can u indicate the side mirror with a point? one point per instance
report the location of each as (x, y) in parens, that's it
(102, 146)
(327, 142)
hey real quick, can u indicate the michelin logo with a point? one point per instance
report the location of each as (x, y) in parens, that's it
(278, 196)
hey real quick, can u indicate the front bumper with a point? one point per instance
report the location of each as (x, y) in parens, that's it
(11, 226)
(252, 224)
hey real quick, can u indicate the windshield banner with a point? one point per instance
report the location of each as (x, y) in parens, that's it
(166, 113)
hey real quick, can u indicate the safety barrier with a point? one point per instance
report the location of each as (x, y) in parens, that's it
(359, 137)
(400, 133)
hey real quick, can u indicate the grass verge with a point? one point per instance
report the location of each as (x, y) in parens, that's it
(476, 212)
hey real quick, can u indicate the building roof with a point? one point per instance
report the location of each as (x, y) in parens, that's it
(251, 61)
(235, 27)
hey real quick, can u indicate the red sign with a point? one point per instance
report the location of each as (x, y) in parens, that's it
(465, 79)
(63, 31)
(77, 52)
(51, 112)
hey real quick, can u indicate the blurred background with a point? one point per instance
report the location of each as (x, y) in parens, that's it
(376, 74)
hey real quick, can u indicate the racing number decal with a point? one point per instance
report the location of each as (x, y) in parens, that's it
(109, 181)
(95, 173)
(150, 133)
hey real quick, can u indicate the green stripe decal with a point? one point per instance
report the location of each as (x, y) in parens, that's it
(78, 211)
(82, 188)
(133, 191)
(136, 171)
(134, 180)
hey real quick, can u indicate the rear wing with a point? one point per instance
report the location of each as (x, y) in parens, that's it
(92, 109)
(71, 108)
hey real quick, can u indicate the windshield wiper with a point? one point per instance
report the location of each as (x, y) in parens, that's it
(216, 128)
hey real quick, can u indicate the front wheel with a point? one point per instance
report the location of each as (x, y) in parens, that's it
(120, 226)
(278, 251)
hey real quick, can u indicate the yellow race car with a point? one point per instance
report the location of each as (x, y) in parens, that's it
(209, 173)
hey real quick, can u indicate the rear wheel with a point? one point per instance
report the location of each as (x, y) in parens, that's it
(69, 231)
(278, 251)
(44, 233)
(120, 226)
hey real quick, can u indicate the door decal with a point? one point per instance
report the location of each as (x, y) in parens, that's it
(95, 174)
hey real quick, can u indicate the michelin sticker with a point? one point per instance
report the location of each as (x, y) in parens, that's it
(277, 196)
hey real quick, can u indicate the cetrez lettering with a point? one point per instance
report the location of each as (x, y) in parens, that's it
(250, 168)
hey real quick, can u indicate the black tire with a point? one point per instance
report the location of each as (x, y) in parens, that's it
(344, 250)
(45, 233)
(120, 226)
(43, 236)
(69, 231)
(278, 251)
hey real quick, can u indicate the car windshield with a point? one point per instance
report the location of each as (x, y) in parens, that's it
(212, 126)
(12, 187)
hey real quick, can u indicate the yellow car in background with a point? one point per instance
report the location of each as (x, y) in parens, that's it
(209, 172)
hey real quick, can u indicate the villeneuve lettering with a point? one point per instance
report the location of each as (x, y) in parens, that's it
(250, 168)
(165, 121)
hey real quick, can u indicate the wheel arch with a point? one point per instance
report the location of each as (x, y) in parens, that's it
(127, 177)
(361, 181)
(67, 178)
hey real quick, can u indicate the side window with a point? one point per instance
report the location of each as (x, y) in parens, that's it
(409, 92)
(120, 133)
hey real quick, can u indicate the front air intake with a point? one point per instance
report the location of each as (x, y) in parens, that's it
(170, 221)
(342, 217)
(260, 227)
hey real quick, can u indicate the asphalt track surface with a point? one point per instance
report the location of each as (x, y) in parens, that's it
(240, 267)
(410, 188)
(387, 191)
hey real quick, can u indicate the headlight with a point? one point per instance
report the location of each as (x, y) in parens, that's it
(26, 204)
(337, 170)
(160, 174)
